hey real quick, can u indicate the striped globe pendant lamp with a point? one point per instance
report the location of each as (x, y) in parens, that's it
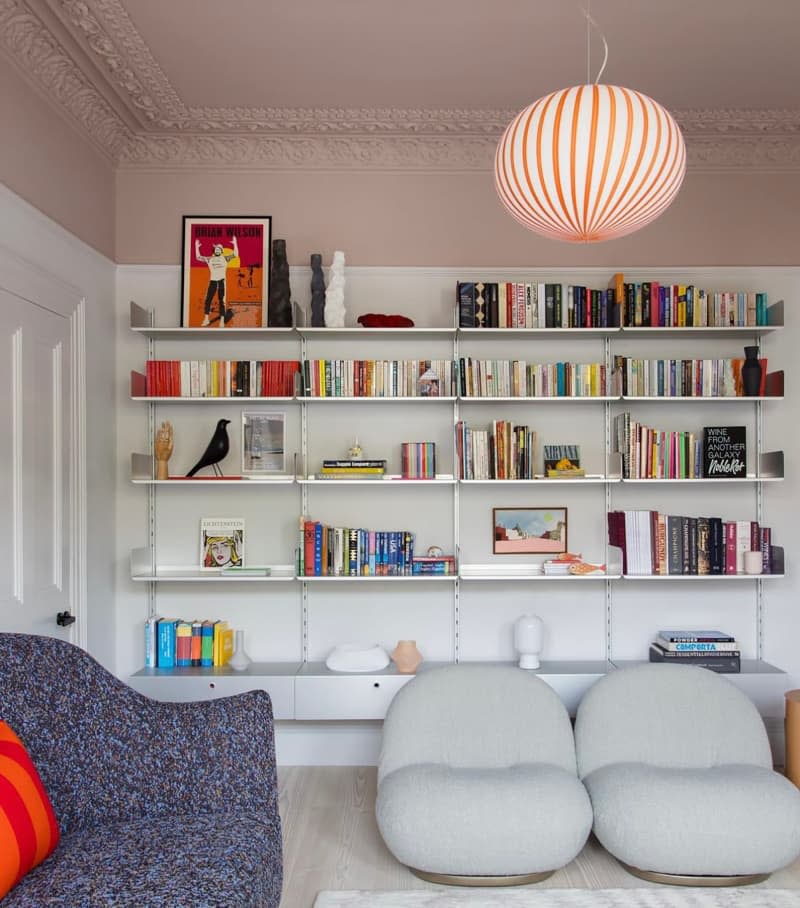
(590, 163)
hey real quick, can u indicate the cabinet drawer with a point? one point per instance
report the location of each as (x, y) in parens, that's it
(179, 688)
(346, 697)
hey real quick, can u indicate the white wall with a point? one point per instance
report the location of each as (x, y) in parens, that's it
(574, 615)
(52, 251)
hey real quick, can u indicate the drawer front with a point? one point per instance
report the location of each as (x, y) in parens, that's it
(571, 688)
(356, 697)
(184, 689)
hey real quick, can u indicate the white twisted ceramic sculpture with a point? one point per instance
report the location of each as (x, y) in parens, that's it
(334, 295)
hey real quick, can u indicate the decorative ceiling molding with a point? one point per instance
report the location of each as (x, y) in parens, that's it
(415, 153)
(43, 58)
(111, 37)
(173, 136)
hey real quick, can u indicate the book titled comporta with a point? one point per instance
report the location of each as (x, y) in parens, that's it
(729, 663)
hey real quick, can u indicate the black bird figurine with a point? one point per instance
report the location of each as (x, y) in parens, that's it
(217, 449)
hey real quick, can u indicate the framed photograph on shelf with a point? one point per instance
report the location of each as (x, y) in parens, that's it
(225, 271)
(263, 443)
(221, 543)
(529, 531)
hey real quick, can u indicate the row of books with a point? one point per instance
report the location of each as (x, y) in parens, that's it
(632, 304)
(649, 453)
(375, 377)
(681, 377)
(509, 304)
(418, 459)
(506, 451)
(327, 551)
(176, 643)
(221, 378)
(662, 544)
(466, 377)
(714, 650)
(518, 378)
(654, 305)
(352, 469)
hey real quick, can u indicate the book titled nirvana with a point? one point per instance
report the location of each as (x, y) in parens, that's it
(725, 452)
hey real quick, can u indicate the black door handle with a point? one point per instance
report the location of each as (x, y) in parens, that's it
(64, 619)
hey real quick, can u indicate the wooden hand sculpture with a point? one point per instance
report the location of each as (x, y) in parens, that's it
(163, 450)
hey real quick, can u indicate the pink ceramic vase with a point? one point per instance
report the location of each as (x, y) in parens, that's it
(406, 656)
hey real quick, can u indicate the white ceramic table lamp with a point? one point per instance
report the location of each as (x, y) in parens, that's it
(528, 634)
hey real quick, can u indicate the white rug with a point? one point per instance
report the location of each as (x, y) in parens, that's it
(678, 897)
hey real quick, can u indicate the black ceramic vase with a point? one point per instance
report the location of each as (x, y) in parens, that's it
(751, 372)
(317, 292)
(279, 312)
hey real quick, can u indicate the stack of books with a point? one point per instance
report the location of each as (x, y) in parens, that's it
(433, 564)
(352, 469)
(177, 643)
(714, 650)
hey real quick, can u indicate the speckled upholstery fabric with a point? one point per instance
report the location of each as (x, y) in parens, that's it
(160, 804)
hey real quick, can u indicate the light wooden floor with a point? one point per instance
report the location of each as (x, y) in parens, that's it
(331, 841)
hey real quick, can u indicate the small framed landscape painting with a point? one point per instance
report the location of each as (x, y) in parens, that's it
(221, 542)
(263, 450)
(529, 531)
(225, 271)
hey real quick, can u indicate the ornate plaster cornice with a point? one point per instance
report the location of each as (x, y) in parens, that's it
(172, 135)
(121, 53)
(36, 50)
(453, 153)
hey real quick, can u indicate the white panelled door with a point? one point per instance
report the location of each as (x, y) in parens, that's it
(37, 476)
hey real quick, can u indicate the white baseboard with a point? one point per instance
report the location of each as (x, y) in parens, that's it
(359, 743)
(328, 744)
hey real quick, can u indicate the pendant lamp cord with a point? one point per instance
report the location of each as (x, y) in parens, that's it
(590, 22)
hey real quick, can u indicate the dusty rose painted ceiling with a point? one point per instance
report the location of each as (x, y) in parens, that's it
(423, 83)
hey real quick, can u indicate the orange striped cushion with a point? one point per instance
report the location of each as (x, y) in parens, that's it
(28, 826)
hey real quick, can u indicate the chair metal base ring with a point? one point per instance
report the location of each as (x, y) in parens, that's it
(682, 879)
(455, 879)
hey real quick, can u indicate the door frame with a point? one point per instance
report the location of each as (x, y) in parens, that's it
(36, 286)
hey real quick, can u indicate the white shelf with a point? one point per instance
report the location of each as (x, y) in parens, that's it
(722, 480)
(699, 399)
(349, 578)
(748, 666)
(280, 574)
(358, 332)
(216, 400)
(390, 480)
(537, 400)
(142, 466)
(538, 332)
(214, 334)
(737, 331)
(515, 577)
(141, 322)
(705, 578)
(376, 400)
(142, 570)
(591, 479)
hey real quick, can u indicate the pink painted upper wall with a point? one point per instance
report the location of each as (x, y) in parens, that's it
(45, 161)
(447, 220)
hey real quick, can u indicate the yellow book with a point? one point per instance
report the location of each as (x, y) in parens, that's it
(225, 645)
(219, 628)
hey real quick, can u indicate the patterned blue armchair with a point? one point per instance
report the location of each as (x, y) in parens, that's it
(159, 804)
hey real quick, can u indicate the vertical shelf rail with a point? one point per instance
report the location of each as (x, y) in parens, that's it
(151, 489)
(456, 505)
(760, 518)
(607, 488)
(303, 500)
